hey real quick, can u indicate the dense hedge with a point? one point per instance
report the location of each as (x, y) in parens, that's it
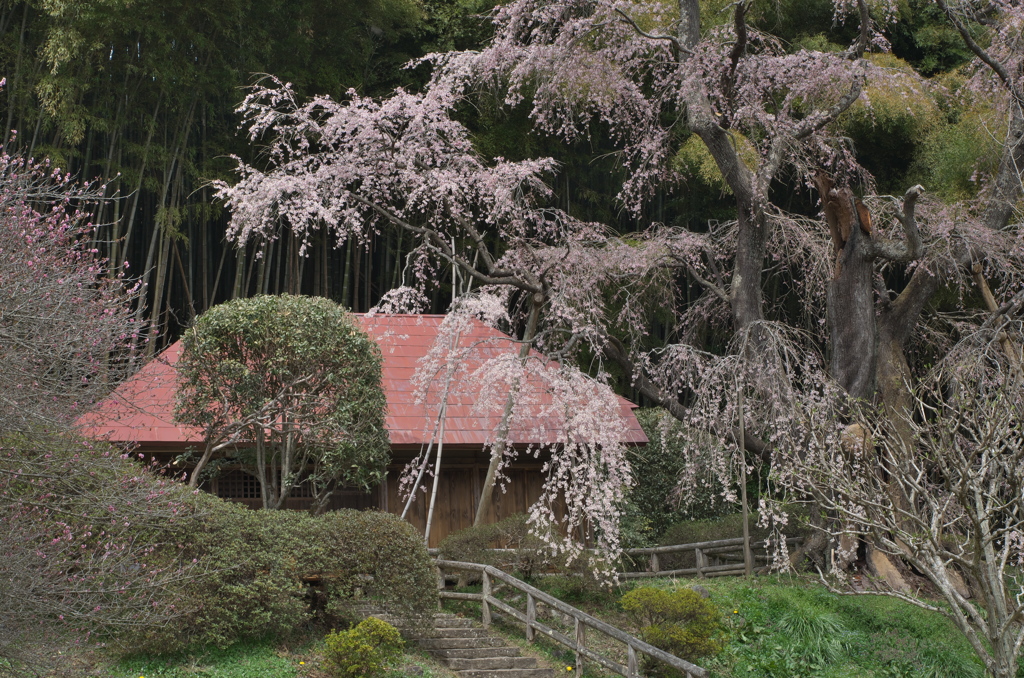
(525, 553)
(275, 572)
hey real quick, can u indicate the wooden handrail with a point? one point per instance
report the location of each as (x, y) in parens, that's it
(704, 545)
(701, 550)
(582, 620)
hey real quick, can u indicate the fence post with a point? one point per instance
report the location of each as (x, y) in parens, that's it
(655, 565)
(440, 588)
(581, 641)
(701, 562)
(531, 616)
(486, 604)
(634, 668)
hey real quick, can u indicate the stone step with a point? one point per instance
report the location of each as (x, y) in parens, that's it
(509, 673)
(458, 632)
(455, 623)
(476, 652)
(467, 648)
(459, 643)
(491, 663)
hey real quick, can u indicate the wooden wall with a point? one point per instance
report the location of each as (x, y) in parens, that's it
(462, 477)
(458, 494)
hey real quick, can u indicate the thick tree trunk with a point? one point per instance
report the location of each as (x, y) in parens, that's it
(747, 299)
(851, 317)
(1006, 189)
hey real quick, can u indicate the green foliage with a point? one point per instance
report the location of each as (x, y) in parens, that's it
(924, 37)
(822, 636)
(789, 628)
(275, 572)
(693, 159)
(250, 659)
(890, 121)
(955, 157)
(264, 658)
(363, 651)
(678, 621)
(578, 589)
(296, 377)
(651, 506)
(522, 553)
(456, 24)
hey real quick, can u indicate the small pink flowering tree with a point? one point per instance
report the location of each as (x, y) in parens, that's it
(87, 537)
(91, 550)
(67, 335)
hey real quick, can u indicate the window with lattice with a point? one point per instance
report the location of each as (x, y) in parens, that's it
(238, 485)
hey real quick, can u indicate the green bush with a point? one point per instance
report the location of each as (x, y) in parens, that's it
(523, 553)
(680, 622)
(651, 505)
(363, 651)
(277, 572)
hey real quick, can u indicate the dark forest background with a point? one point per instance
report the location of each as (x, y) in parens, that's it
(140, 95)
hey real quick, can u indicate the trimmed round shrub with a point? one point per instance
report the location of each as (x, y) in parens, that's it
(365, 650)
(680, 622)
(278, 572)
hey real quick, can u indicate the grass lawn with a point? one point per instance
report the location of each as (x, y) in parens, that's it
(258, 660)
(786, 627)
(779, 627)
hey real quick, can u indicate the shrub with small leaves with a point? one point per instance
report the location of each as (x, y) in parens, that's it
(364, 650)
(680, 622)
(523, 553)
(270, 573)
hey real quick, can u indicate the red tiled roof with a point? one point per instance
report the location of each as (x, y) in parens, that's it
(141, 410)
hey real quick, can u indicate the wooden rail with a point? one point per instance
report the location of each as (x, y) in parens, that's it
(707, 555)
(581, 622)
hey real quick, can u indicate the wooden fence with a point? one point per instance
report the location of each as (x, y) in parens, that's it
(719, 558)
(535, 600)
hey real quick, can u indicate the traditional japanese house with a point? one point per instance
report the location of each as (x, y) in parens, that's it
(140, 414)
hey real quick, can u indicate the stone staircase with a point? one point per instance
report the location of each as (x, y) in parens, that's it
(469, 650)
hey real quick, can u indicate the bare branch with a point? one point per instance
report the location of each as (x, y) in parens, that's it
(442, 247)
(972, 45)
(677, 48)
(912, 248)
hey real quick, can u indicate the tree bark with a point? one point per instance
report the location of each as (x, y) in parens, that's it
(850, 315)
